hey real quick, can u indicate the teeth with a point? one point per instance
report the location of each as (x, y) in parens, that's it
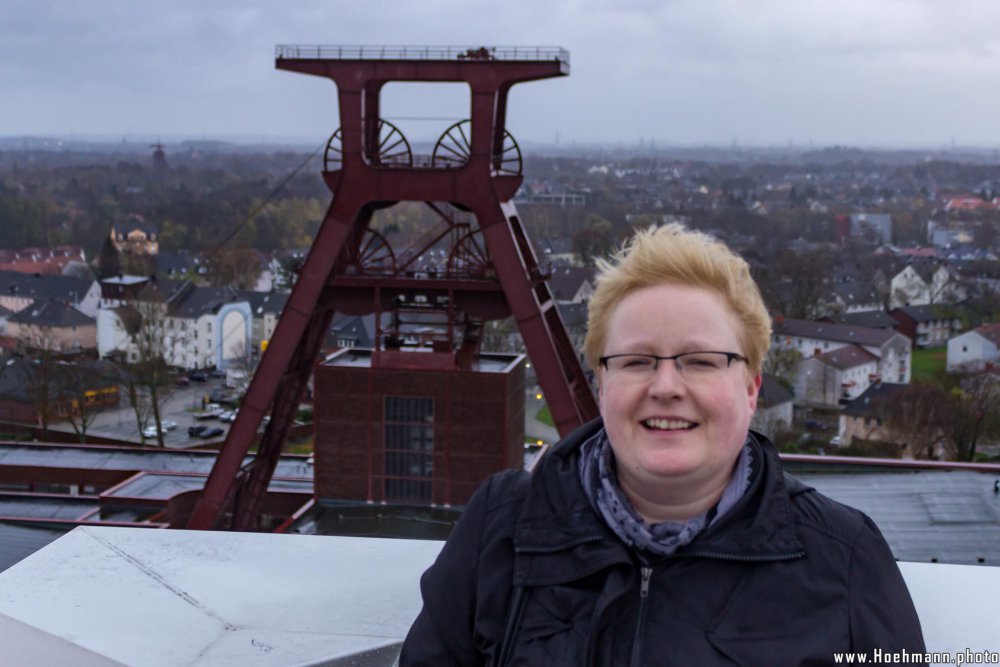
(668, 424)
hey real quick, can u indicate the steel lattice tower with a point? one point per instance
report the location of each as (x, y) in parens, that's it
(491, 271)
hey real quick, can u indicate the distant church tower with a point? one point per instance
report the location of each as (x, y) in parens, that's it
(159, 155)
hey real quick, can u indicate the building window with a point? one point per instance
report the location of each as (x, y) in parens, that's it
(409, 448)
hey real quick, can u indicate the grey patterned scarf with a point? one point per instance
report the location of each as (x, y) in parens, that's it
(600, 483)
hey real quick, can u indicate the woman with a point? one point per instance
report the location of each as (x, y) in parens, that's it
(664, 533)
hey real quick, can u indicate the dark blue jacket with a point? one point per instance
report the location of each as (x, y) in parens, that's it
(787, 577)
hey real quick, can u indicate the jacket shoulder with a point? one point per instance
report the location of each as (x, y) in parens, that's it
(821, 513)
(508, 487)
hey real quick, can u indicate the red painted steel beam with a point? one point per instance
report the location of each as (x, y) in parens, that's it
(300, 310)
(559, 372)
(499, 72)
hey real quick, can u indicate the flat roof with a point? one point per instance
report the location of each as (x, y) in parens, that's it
(20, 540)
(925, 515)
(25, 506)
(486, 362)
(158, 486)
(108, 457)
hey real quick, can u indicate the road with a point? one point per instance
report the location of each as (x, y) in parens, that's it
(183, 401)
(535, 430)
(178, 407)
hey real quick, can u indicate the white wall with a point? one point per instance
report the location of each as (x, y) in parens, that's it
(970, 348)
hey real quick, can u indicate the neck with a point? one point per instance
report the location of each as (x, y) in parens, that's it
(656, 504)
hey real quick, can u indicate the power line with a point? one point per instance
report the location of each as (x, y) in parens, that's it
(267, 200)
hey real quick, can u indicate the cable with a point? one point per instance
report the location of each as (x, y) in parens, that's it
(267, 200)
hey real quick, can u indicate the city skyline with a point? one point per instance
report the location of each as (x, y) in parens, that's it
(907, 73)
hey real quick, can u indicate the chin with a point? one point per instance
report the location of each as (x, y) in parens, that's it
(669, 465)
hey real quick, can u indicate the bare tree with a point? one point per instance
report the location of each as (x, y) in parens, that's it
(238, 267)
(42, 387)
(974, 397)
(953, 414)
(147, 380)
(796, 284)
(90, 388)
(782, 362)
(914, 416)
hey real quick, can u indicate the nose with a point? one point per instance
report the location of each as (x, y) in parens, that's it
(667, 380)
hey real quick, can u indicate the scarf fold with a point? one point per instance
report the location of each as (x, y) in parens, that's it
(599, 478)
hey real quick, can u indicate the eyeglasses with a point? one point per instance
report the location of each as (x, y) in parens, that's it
(692, 366)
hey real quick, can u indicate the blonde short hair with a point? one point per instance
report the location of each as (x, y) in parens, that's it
(674, 254)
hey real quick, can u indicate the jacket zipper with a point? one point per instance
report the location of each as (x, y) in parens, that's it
(559, 547)
(646, 572)
(744, 559)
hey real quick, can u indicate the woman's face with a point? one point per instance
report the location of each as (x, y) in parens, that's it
(685, 430)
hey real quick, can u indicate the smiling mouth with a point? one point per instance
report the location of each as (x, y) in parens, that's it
(668, 424)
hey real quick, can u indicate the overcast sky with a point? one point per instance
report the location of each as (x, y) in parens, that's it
(761, 72)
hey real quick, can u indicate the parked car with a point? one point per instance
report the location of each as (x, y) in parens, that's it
(182, 380)
(196, 431)
(836, 441)
(149, 431)
(168, 425)
(217, 373)
(198, 376)
(228, 416)
(211, 432)
(224, 396)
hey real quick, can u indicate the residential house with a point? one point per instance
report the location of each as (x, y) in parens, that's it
(812, 339)
(974, 349)
(572, 284)
(948, 233)
(176, 264)
(927, 326)
(52, 261)
(4, 314)
(872, 227)
(53, 326)
(20, 290)
(195, 327)
(862, 418)
(774, 407)
(833, 378)
(908, 288)
(136, 237)
(265, 308)
(870, 319)
(923, 285)
(558, 251)
(347, 331)
(574, 318)
(854, 297)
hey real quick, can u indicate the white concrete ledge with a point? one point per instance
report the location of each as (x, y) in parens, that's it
(159, 597)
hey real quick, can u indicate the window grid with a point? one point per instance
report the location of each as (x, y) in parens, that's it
(408, 467)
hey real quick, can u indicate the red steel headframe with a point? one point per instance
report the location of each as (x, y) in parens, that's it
(362, 177)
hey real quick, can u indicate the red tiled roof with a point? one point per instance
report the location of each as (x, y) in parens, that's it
(990, 332)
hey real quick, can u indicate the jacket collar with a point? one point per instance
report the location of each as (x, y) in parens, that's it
(559, 536)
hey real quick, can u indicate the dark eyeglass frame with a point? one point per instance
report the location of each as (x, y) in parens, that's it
(730, 357)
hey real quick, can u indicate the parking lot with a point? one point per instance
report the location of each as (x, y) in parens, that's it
(178, 407)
